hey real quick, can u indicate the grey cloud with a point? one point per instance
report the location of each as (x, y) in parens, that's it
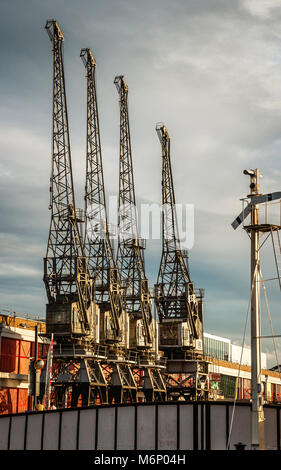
(209, 69)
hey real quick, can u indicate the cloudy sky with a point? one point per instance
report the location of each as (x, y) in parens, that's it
(209, 69)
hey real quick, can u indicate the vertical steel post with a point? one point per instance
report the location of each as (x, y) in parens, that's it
(36, 372)
(257, 414)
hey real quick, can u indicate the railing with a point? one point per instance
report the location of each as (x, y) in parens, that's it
(123, 356)
(132, 356)
(95, 351)
(161, 361)
(152, 360)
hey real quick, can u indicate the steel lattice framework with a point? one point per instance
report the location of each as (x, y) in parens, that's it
(130, 256)
(66, 273)
(174, 292)
(103, 268)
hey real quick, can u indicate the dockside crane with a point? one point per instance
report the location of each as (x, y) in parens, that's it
(99, 252)
(179, 306)
(71, 313)
(130, 259)
(66, 275)
(103, 269)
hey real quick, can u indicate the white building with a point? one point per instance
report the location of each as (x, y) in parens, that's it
(246, 356)
(222, 348)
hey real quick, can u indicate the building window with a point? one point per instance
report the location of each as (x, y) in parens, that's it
(216, 348)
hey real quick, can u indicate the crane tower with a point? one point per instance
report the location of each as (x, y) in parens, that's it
(71, 313)
(103, 269)
(130, 258)
(99, 251)
(179, 306)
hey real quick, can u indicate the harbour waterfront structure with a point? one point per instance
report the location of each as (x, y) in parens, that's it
(17, 347)
(111, 360)
(145, 426)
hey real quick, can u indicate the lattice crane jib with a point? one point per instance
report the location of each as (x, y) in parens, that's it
(130, 256)
(103, 268)
(66, 272)
(175, 296)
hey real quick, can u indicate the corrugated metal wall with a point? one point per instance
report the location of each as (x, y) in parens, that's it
(13, 400)
(14, 359)
(171, 426)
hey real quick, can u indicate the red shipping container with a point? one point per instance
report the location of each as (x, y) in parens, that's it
(13, 400)
(45, 349)
(42, 350)
(22, 400)
(24, 357)
(9, 359)
(8, 400)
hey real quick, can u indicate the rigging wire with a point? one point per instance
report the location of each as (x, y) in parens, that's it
(269, 320)
(243, 343)
(240, 363)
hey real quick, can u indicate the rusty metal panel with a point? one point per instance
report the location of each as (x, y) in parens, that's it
(241, 426)
(183, 426)
(17, 433)
(126, 428)
(218, 427)
(186, 427)
(87, 429)
(4, 432)
(51, 431)
(167, 427)
(146, 427)
(69, 430)
(270, 426)
(34, 431)
(106, 426)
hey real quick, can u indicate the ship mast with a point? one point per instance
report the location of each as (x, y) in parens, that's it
(254, 230)
(257, 412)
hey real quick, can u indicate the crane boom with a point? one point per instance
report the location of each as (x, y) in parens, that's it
(130, 256)
(66, 273)
(103, 268)
(174, 294)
